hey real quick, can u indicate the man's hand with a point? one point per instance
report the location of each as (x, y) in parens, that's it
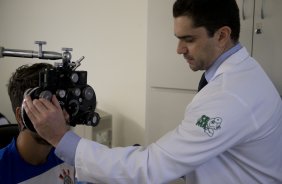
(47, 118)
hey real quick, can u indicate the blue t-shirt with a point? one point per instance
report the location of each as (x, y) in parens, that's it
(13, 169)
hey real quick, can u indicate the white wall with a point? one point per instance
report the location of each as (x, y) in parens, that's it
(110, 34)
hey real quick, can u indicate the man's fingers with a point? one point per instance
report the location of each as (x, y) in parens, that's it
(47, 117)
(41, 106)
(30, 109)
(50, 105)
(56, 102)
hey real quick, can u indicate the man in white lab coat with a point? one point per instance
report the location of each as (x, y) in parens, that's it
(231, 131)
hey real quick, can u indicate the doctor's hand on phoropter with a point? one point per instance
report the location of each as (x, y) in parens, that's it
(47, 117)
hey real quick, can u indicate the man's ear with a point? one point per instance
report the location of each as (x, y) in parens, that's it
(223, 36)
(19, 118)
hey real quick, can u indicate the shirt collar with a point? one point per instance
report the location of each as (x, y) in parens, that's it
(211, 71)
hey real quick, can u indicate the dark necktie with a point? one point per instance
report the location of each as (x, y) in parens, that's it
(202, 82)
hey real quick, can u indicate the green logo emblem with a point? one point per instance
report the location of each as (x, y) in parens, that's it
(209, 124)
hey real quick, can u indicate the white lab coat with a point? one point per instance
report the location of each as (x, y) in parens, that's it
(230, 134)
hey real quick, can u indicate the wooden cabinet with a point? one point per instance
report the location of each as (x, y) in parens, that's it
(165, 68)
(261, 29)
(170, 83)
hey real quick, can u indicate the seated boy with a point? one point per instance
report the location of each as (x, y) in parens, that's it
(29, 158)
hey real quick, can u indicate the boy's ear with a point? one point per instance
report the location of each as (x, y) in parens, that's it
(19, 118)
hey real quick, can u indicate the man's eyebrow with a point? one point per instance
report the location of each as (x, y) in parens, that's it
(183, 37)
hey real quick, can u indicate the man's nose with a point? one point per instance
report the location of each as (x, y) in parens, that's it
(181, 47)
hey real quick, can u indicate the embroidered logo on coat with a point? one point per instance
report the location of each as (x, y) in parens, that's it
(209, 124)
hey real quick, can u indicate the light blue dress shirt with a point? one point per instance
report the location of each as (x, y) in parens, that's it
(211, 71)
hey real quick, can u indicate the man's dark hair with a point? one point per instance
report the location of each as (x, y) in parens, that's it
(211, 14)
(23, 78)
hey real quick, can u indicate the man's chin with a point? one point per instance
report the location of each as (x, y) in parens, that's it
(193, 68)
